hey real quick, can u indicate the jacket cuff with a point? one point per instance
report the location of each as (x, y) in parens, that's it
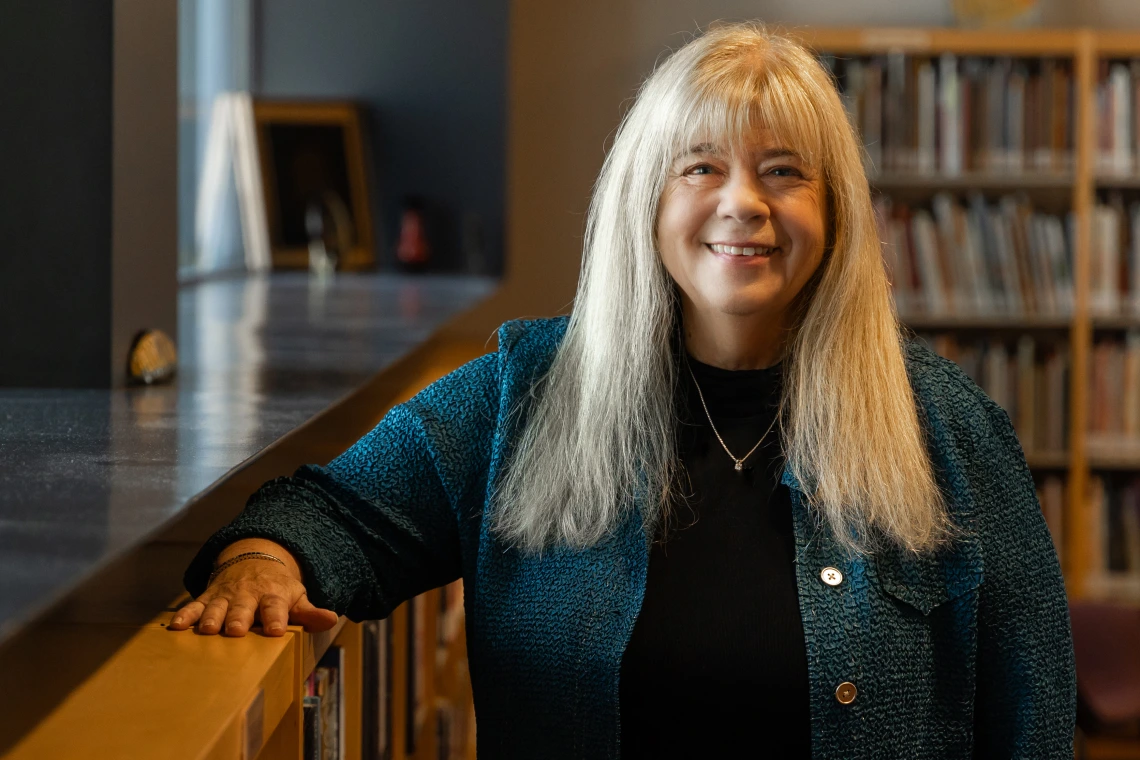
(291, 511)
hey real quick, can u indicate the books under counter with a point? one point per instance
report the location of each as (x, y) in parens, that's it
(377, 688)
(324, 707)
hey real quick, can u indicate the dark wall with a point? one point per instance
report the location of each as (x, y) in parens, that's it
(434, 78)
(55, 193)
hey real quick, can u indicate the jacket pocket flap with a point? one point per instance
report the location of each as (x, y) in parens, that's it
(925, 582)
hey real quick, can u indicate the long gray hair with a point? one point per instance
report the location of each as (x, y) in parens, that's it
(601, 427)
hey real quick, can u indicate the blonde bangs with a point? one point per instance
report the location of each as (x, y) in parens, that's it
(731, 96)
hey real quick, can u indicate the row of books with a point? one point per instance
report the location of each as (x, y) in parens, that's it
(323, 708)
(422, 643)
(1114, 264)
(1115, 560)
(954, 114)
(1114, 396)
(1118, 117)
(977, 258)
(1027, 378)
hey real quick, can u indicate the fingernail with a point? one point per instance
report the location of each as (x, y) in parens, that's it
(275, 628)
(177, 621)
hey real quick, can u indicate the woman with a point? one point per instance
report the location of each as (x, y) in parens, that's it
(724, 501)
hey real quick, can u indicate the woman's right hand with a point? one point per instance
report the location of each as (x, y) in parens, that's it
(253, 588)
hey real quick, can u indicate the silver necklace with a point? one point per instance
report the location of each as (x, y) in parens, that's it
(739, 462)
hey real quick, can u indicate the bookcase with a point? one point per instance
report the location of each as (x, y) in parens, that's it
(1005, 167)
(398, 687)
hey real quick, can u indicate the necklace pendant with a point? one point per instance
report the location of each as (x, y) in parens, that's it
(740, 466)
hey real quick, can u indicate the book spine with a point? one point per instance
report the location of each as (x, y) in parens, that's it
(950, 115)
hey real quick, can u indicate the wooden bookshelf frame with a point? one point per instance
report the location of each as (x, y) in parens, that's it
(1085, 48)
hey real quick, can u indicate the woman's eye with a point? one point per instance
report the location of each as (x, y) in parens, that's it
(786, 171)
(697, 169)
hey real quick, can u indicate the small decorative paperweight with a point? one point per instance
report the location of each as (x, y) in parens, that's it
(153, 359)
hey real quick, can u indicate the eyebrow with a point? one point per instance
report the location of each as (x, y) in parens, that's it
(710, 149)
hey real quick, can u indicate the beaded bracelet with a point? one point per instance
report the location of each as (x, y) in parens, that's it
(239, 558)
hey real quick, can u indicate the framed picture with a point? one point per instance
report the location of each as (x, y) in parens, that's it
(311, 156)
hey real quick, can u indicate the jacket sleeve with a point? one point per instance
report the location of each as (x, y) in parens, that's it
(382, 522)
(1025, 704)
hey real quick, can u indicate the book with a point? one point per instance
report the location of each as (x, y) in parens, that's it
(376, 662)
(416, 668)
(326, 682)
(311, 716)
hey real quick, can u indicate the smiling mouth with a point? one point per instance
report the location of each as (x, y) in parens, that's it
(737, 252)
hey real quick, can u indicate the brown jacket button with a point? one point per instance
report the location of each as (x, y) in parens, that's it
(846, 692)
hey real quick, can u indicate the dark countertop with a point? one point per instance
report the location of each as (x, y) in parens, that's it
(88, 474)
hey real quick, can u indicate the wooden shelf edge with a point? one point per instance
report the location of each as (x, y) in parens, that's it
(314, 645)
(986, 321)
(974, 180)
(936, 40)
(1047, 460)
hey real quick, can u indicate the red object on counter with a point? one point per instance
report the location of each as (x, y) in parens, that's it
(412, 250)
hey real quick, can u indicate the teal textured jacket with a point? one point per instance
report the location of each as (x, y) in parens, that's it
(964, 654)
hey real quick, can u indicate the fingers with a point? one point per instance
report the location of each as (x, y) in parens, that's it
(187, 615)
(237, 613)
(240, 615)
(213, 615)
(313, 618)
(274, 614)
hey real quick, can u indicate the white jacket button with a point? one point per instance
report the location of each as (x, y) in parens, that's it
(831, 576)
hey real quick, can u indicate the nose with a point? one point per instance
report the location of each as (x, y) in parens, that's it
(743, 198)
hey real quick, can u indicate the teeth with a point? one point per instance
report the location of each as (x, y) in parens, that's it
(736, 251)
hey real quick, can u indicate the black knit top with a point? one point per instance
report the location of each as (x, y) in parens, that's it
(717, 662)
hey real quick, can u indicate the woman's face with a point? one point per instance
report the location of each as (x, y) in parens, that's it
(741, 234)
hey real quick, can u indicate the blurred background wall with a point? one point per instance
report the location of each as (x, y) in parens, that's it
(433, 81)
(433, 76)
